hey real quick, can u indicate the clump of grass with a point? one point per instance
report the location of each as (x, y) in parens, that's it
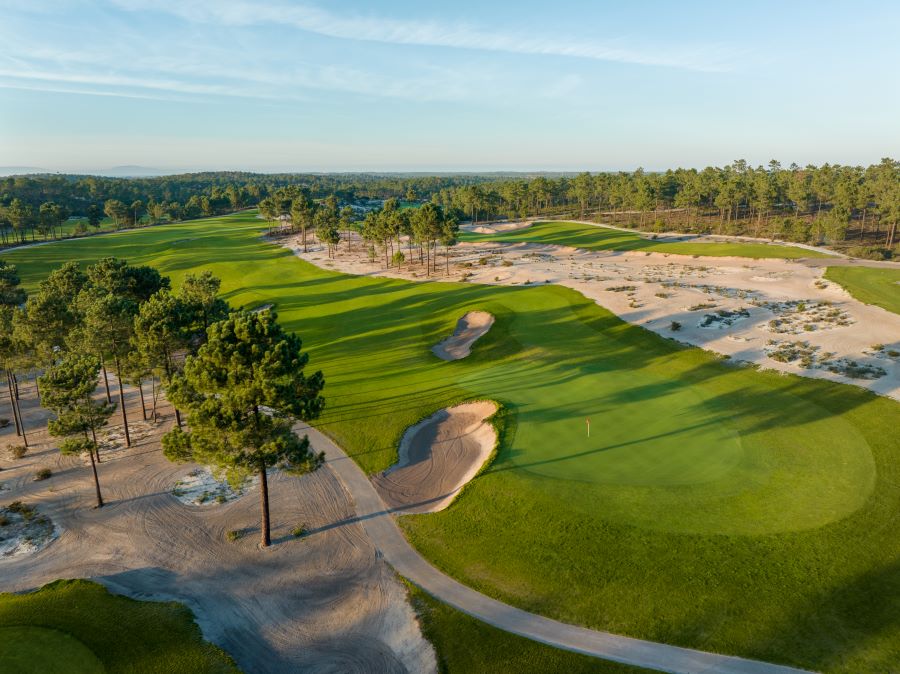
(43, 474)
(675, 326)
(621, 289)
(507, 263)
(18, 451)
(300, 531)
(23, 509)
(234, 535)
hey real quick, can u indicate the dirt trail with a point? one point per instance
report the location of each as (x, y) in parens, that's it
(471, 327)
(438, 456)
(326, 602)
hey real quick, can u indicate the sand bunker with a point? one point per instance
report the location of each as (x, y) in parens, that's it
(468, 329)
(438, 456)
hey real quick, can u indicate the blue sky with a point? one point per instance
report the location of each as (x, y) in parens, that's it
(400, 85)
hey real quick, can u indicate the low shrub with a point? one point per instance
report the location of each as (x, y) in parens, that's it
(234, 535)
(675, 326)
(870, 252)
(43, 474)
(300, 531)
(18, 451)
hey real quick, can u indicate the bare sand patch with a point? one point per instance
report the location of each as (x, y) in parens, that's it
(324, 602)
(469, 329)
(23, 530)
(437, 457)
(202, 487)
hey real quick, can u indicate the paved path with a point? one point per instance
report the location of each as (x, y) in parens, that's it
(393, 546)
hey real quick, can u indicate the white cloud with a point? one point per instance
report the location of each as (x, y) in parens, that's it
(425, 33)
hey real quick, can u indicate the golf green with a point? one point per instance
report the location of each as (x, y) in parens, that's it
(879, 286)
(712, 506)
(38, 650)
(591, 237)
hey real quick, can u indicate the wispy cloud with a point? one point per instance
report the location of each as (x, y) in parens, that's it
(314, 19)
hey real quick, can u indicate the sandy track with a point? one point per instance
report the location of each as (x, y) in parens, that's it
(323, 603)
(654, 290)
(471, 327)
(438, 456)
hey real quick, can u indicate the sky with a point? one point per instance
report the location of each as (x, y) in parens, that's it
(343, 85)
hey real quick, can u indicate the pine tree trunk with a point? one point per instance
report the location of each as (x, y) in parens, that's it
(12, 404)
(265, 540)
(105, 382)
(96, 444)
(141, 391)
(96, 479)
(122, 402)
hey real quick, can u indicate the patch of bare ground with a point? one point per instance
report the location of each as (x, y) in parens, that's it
(469, 328)
(437, 457)
(324, 601)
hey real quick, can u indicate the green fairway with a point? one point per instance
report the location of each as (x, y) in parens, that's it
(878, 286)
(713, 506)
(592, 237)
(75, 627)
(38, 650)
(469, 646)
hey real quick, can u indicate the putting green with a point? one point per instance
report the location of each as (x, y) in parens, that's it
(879, 286)
(38, 650)
(590, 237)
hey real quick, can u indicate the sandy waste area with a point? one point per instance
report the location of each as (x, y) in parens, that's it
(778, 314)
(321, 602)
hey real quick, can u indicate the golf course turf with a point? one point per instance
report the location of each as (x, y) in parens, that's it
(464, 644)
(712, 506)
(77, 627)
(590, 237)
(878, 286)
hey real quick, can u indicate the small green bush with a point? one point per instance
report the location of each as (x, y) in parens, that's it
(43, 474)
(870, 252)
(675, 326)
(299, 532)
(234, 535)
(18, 451)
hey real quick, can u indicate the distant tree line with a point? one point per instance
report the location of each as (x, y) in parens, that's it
(36, 206)
(826, 204)
(830, 203)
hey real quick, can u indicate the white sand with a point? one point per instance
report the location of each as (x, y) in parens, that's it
(469, 329)
(326, 602)
(437, 457)
(655, 289)
(201, 487)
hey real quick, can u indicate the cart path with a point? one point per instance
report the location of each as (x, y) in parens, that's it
(390, 543)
